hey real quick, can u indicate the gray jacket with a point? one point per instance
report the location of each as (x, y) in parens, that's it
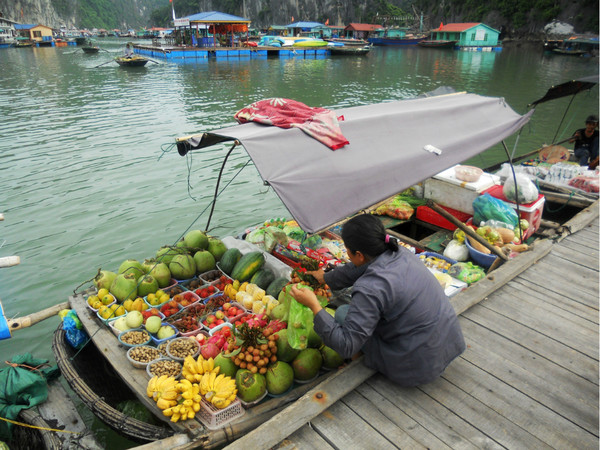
(399, 317)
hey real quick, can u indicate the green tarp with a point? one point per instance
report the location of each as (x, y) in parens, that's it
(23, 387)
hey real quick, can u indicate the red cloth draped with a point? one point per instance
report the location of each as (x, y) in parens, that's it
(319, 123)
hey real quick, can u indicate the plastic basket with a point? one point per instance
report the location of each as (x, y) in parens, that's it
(252, 403)
(482, 259)
(138, 364)
(214, 418)
(211, 275)
(180, 359)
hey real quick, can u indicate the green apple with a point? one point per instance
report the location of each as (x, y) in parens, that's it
(153, 324)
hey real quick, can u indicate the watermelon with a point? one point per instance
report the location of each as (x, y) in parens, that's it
(229, 260)
(276, 286)
(247, 266)
(263, 278)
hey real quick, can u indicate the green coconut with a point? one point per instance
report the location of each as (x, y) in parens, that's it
(161, 274)
(104, 279)
(205, 261)
(280, 312)
(331, 358)
(285, 352)
(182, 267)
(148, 264)
(280, 377)
(227, 365)
(314, 340)
(124, 286)
(216, 247)
(147, 284)
(307, 364)
(131, 266)
(166, 253)
(250, 386)
(196, 239)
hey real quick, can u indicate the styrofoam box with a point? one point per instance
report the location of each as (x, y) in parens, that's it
(279, 268)
(447, 190)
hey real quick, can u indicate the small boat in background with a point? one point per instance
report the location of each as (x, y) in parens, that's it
(349, 42)
(437, 43)
(131, 61)
(90, 49)
(349, 49)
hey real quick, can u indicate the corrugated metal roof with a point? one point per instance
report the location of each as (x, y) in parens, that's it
(215, 16)
(458, 26)
(305, 25)
(362, 27)
(23, 26)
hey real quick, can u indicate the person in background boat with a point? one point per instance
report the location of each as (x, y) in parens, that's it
(399, 316)
(128, 51)
(586, 141)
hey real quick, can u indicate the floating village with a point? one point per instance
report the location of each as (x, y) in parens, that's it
(206, 341)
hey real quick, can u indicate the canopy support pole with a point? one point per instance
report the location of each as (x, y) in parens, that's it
(214, 202)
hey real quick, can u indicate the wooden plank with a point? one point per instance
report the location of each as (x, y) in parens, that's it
(587, 257)
(371, 406)
(557, 300)
(566, 331)
(536, 342)
(305, 408)
(304, 438)
(562, 306)
(571, 396)
(579, 245)
(343, 428)
(517, 409)
(423, 419)
(499, 277)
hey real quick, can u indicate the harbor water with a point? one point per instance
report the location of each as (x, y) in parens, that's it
(89, 174)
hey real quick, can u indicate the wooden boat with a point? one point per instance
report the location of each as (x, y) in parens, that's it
(24, 43)
(578, 46)
(132, 61)
(349, 50)
(437, 43)
(394, 36)
(90, 49)
(349, 42)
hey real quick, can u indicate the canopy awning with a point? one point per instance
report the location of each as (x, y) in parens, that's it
(568, 88)
(392, 147)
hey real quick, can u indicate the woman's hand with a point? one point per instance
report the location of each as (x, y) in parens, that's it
(306, 297)
(318, 274)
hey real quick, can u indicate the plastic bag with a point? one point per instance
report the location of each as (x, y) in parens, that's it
(257, 237)
(526, 190)
(467, 272)
(74, 332)
(300, 324)
(587, 184)
(456, 250)
(272, 237)
(486, 207)
(396, 208)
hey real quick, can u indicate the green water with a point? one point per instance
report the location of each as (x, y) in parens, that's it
(89, 176)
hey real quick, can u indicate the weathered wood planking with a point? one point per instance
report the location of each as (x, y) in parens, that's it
(521, 368)
(573, 307)
(586, 256)
(304, 439)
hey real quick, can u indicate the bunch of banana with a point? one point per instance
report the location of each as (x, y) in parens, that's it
(163, 390)
(187, 404)
(243, 286)
(194, 369)
(220, 389)
(230, 291)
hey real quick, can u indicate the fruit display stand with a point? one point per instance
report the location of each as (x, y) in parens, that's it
(279, 268)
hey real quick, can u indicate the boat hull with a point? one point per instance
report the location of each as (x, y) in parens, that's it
(437, 44)
(353, 51)
(135, 61)
(395, 41)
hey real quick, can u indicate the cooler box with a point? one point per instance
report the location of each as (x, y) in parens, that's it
(532, 212)
(447, 190)
(426, 214)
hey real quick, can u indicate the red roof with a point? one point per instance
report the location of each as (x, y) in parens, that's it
(362, 27)
(458, 26)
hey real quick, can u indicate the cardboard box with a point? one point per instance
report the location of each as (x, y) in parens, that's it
(532, 212)
(447, 190)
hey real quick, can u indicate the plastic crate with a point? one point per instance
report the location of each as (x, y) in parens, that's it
(532, 212)
(426, 214)
(214, 418)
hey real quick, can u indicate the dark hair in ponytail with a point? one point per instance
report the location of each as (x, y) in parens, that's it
(366, 234)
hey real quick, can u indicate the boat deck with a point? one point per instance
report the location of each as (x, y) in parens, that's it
(528, 378)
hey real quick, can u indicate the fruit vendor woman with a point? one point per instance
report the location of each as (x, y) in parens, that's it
(399, 316)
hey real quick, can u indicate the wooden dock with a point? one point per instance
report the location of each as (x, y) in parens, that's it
(528, 378)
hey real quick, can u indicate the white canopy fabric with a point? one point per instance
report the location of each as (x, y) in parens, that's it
(392, 147)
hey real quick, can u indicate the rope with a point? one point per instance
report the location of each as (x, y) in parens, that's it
(26, 425)
(560, 207)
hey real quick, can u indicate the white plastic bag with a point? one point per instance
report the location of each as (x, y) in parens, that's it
(456, 251)
(526, 190)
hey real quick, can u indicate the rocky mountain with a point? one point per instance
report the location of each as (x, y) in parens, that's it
(517, 18)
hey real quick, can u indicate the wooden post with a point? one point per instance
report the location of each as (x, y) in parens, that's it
(8, 261)
(492, 248)
(33, 318)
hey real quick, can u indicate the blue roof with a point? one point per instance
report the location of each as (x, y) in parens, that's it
(22, 26)
(214, 16)
(305, 25)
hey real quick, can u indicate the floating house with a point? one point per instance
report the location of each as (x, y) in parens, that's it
(8, 33)
(41, 35)
(360, 30)
(468, 36)
(308, 29)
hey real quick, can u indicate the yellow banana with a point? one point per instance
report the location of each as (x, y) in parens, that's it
(175, 417)
(168, 412)
(164, 404)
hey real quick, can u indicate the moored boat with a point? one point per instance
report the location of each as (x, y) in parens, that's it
(437, 43)
(90, 49)
(395, 36)
(131, 61)
(349, 50)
